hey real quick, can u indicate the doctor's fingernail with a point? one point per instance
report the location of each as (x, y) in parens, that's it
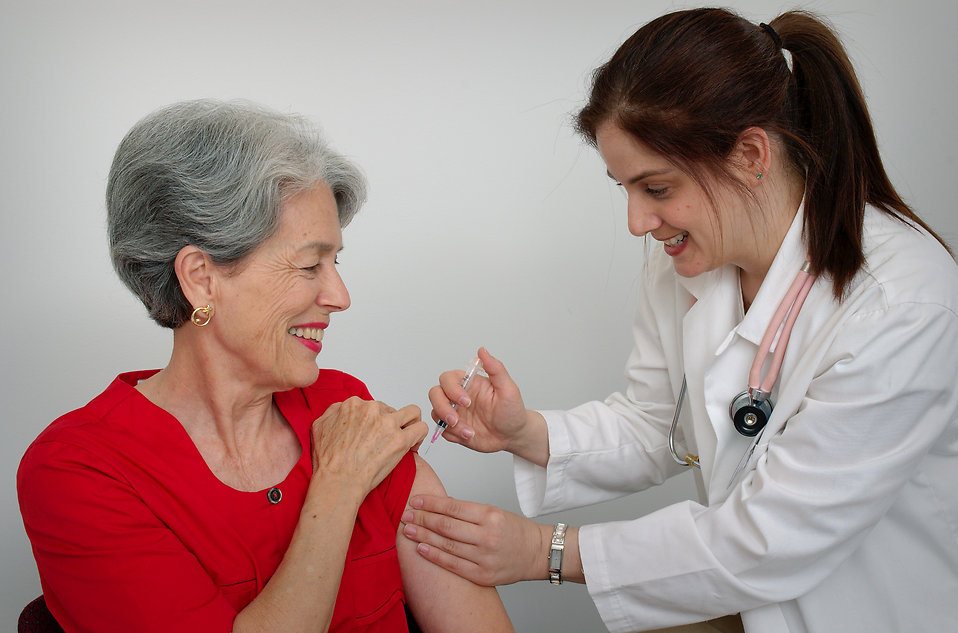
(464, 401)
(468, 433)
(407, 516)
(409, 530)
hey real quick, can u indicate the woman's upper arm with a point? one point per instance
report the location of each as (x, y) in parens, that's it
(438, 599)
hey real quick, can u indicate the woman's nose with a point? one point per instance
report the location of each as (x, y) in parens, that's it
(334, 296)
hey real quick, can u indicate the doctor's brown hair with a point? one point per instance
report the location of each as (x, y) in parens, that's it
(688, 83)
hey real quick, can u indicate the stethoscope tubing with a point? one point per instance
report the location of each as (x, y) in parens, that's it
(690, 460)
(787, 311)
(759, 389)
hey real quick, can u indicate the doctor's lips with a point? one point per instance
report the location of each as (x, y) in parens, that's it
(675, 240)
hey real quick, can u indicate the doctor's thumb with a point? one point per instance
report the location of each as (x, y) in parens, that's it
(498, 375)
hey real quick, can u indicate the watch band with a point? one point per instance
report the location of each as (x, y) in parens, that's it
(556, 550)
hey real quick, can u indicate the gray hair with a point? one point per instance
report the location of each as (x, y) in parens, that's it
(214, 175)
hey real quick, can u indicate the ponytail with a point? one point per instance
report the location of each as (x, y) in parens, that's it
(833, 140)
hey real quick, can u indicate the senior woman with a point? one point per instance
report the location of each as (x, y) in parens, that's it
(239, 488)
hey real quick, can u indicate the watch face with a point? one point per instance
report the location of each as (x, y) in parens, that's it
(554, 557)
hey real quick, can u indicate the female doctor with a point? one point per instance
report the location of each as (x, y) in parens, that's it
(796, 343)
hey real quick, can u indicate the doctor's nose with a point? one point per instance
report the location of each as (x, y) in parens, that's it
(641, 219)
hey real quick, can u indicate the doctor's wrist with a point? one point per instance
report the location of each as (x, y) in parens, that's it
(532, 443)
(570, 565)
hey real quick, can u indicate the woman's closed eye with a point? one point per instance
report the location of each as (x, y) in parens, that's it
(315, 267)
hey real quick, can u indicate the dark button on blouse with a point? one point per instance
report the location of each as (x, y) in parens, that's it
(275, 495)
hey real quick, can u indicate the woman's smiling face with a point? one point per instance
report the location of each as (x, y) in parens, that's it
(273, 306)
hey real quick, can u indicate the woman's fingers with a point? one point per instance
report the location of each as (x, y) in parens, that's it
(415, 433)
(410, 416)
(364, 440)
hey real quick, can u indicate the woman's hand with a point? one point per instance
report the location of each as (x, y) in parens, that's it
(493, 419)
(481, 543)
(360, 441)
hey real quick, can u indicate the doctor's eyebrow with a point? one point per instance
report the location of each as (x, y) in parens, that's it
(642, 176)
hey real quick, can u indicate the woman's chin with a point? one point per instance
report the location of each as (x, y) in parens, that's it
(306, 377)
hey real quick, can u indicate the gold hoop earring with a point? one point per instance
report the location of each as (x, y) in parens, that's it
(202, 316)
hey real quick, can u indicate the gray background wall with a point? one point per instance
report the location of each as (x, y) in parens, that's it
(489, 223)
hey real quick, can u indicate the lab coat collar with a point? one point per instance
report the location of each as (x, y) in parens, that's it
(701, 286)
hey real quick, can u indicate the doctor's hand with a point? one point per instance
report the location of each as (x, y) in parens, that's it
(481, 543)
(494, 418)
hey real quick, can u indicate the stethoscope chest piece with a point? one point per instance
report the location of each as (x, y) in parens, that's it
(749, 416)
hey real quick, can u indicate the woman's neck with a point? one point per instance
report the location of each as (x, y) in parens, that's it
(236, 427)
(195, 379)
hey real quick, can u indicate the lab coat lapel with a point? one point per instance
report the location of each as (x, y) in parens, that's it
(727, 375)
(705, 329)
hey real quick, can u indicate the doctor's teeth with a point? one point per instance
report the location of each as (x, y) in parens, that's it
(678, 239)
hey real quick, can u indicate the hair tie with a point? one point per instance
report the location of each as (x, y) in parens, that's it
(775, 38)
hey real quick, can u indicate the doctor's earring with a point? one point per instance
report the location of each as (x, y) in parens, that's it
(202, 316)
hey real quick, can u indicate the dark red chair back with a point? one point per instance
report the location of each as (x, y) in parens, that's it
(36, 618)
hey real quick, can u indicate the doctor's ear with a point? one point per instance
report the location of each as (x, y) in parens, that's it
(752, 154)
(197, 275)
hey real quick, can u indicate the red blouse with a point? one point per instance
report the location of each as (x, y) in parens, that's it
(132, 531)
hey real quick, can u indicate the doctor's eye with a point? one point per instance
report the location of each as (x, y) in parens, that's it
(656, 192)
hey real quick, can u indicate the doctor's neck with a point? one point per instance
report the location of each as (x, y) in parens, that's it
(777, 201)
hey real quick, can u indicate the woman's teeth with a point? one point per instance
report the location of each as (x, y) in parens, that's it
(312, 333)
(678, 239)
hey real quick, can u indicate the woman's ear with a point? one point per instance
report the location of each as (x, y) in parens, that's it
(753, 154)
(195, 272)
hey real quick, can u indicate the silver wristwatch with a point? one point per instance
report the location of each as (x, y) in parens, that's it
(555, 554)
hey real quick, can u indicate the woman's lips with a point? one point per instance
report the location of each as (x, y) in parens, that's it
(309, 334)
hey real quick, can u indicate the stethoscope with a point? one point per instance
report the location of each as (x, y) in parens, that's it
(751, 409)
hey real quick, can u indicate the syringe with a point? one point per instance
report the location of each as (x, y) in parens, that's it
(474, 368)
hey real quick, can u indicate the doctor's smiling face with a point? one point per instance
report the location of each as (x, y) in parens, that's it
(666, 203)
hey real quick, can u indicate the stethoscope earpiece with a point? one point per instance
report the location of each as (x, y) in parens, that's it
(749, 416)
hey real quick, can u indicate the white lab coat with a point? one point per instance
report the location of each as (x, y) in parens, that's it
(846, 518)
